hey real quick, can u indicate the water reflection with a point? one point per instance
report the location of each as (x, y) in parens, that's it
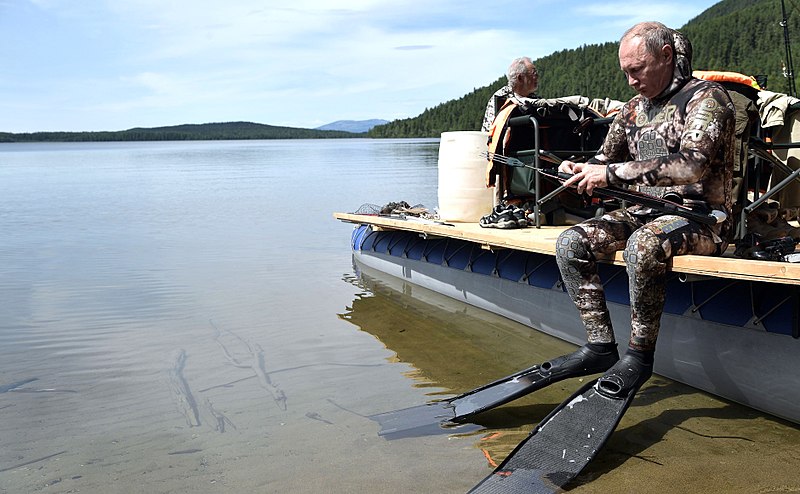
(453, 348)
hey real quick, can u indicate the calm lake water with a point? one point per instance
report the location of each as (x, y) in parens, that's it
(185, 317)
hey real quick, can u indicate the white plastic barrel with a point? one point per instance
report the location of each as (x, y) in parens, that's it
(463, 195)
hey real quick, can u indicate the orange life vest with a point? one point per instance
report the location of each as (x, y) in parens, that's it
(723, 76)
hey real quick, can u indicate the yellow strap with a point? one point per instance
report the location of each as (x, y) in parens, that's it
(495, 136)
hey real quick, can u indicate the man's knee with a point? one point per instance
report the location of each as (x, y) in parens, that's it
(571, 246)
(643, 252)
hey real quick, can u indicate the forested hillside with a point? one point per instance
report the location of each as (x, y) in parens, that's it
(734, 35)
(188, 132)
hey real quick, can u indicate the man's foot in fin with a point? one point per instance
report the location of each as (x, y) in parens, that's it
(588, 359)
(569, 438)
(415, 421)
(627, 375)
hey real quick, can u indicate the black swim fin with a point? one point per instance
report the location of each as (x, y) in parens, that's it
(446, 415)
(569, 438)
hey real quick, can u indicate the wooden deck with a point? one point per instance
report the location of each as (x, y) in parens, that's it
(543, 240)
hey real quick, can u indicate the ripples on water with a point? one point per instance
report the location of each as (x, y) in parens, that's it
(184, 317)
(170, 313)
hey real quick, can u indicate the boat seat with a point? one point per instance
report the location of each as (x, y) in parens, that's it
(764, 165)
(565, 128)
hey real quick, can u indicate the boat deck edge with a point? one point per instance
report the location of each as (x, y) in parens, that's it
(543, 240)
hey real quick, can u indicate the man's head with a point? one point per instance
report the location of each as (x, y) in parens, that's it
(646, 56)
(522, 76)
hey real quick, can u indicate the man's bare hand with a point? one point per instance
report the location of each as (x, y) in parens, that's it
(566, 166)
(585, 176)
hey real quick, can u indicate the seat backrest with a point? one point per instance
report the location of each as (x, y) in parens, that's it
(565, 129)
(743, 91)
(744, 173)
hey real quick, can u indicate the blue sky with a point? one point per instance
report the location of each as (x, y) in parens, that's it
(78, 65)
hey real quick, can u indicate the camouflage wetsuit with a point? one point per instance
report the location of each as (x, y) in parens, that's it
(681, 142)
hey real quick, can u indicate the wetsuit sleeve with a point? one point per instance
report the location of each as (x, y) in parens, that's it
(615, 145)
(701, 135)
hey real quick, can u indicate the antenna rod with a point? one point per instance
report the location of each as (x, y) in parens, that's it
(789, 71)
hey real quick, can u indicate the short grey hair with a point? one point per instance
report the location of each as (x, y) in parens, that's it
(519, 67)
(654, 34)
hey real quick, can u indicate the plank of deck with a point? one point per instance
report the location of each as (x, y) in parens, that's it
(543, 240)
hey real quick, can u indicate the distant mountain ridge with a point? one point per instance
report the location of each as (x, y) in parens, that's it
(203, 132)
(186, 132)
(356, 126)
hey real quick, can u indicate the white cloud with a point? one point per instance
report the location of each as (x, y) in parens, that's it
(625, 14)
(301, 63)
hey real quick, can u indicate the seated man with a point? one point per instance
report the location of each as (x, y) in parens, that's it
(523, 80)
(675, 136)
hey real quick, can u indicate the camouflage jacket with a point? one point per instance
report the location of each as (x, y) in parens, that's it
(681, 142)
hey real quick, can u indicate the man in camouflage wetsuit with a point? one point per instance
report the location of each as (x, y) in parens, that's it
(675, 136)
